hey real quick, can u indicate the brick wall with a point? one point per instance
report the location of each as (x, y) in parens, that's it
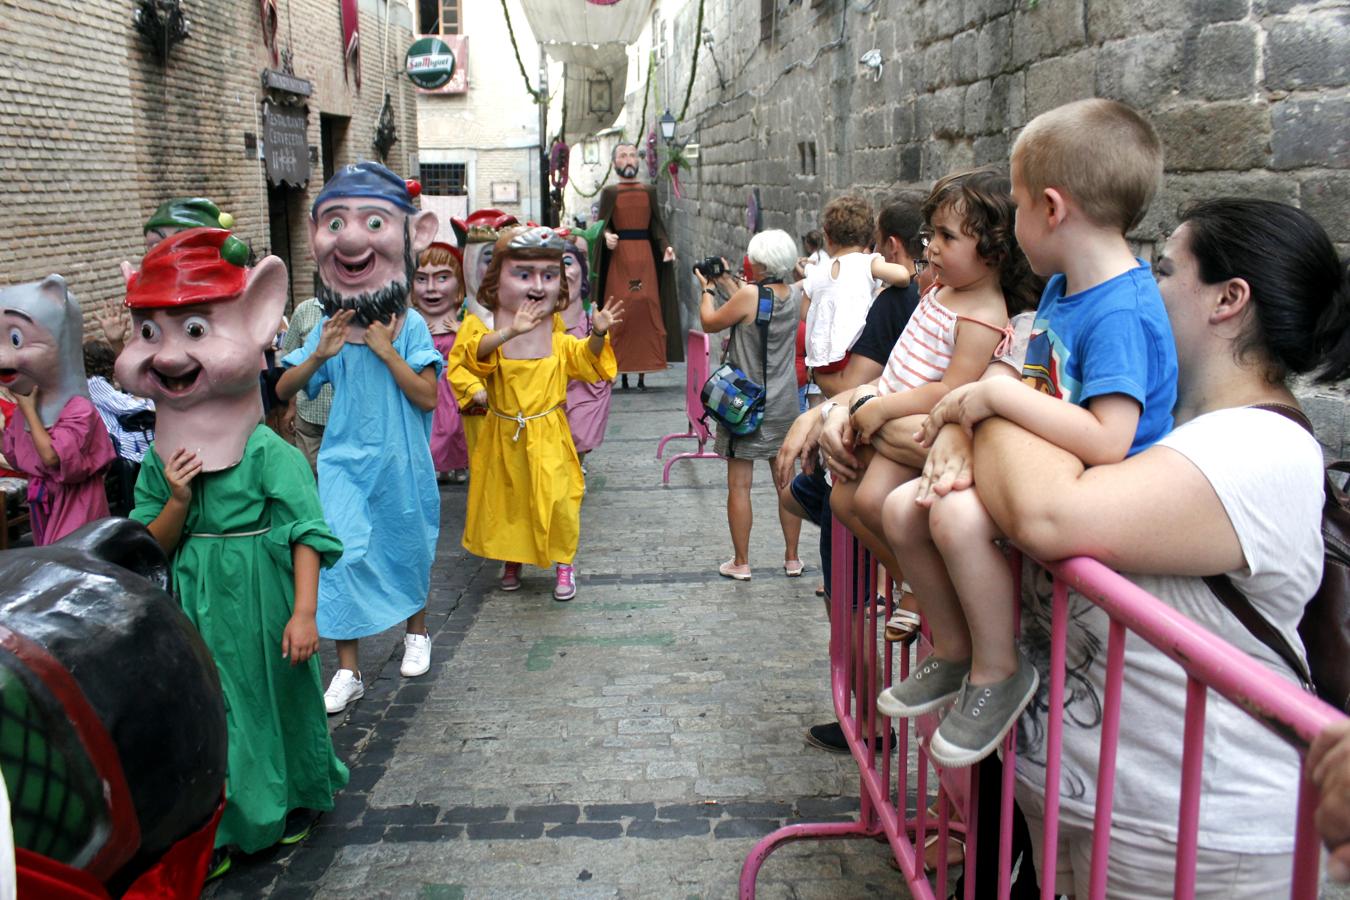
(96, 132)
(1249, 96)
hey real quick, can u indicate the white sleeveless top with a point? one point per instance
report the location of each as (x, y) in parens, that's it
(839, 306)
(924, 349)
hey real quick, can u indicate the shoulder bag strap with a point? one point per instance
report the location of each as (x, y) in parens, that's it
(764, 315)
(1240, 606)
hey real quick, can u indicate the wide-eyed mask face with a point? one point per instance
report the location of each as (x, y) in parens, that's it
(40, 334)
(529, 279)
(359, 245)
(180, 357)
(436, 290)
(28, 352)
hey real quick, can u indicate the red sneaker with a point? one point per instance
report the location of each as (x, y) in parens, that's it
(511, 576)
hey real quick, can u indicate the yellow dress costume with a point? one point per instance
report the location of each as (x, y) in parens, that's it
(525, 493)
(465, 384)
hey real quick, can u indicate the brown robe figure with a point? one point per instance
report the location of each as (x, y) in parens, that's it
(651, 334)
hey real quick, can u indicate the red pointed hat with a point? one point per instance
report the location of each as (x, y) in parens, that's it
(184, 269)
(481, 225)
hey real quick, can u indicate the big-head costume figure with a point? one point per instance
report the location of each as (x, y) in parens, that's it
(526, 489)
(236, 509)
(634, 261)
(375, 471)
(58, 441)
(477, 235)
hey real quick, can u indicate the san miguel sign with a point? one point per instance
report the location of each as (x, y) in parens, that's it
(438, 65)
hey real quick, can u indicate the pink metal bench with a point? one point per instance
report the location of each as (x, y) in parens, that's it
(697, 370)
(859, 670)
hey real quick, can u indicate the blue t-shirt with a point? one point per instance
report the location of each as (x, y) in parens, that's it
(1113, 338)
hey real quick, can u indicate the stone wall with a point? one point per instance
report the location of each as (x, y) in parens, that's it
(1249, 97)
(96, 132)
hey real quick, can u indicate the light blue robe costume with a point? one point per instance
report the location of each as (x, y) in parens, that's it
(377, 485)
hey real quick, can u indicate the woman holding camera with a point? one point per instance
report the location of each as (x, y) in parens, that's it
(772, 256)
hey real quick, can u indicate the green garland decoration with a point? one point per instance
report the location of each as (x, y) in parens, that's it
(598, 188)
(646, 91)
(535, 95)
(693, 66)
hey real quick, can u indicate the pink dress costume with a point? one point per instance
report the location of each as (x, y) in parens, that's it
(587, 401)
(449, 450)
(63, 497)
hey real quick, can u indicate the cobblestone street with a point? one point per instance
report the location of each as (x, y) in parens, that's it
(634, 742)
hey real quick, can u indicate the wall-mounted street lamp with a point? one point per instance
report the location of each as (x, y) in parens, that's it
(667, 123)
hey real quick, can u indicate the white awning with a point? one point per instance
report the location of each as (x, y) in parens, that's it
(564, 24)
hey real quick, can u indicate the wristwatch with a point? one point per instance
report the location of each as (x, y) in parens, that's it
(857, 404)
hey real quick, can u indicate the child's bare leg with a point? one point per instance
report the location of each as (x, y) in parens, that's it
(964, 534)
(883, 476)
(348, 657)
(740, 516)
(844, 500)
(417, 622)
(906, 526)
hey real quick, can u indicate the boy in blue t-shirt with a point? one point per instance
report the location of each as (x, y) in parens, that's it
(1102, 341)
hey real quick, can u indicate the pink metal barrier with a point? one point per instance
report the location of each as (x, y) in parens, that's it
(697, 355)
(861, 665)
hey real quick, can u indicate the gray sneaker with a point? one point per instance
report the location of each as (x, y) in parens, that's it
(934, 683)
(982, 716)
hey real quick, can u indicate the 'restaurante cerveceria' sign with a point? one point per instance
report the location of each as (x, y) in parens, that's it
(430, 63)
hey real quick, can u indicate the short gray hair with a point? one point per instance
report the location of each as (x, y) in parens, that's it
(775, 250)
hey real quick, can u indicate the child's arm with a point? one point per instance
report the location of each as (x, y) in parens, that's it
(891, 273)
(601, 323)
(975, 345)
(300, 640)
(331, 339)
(418, 387)
(42, 439)
(1097, 434)
(167, 527)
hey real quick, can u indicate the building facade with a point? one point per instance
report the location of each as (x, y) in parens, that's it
(796, 101)
(480, 138)
(99, 125)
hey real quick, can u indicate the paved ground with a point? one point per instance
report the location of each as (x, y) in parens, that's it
(632, 743)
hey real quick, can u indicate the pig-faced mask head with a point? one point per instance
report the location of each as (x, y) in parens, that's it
(41, 331)
(199, 327)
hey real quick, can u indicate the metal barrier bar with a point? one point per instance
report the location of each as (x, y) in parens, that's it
(860, 668)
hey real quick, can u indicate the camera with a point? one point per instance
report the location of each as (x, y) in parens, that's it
(710, 268)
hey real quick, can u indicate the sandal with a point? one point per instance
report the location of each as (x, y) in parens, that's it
(729, 569)
(903, 626)
(793, 568)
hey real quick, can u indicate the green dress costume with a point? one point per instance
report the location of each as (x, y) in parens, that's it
(233, 575)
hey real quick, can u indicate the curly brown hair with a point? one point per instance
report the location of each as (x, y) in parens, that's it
(487, 290)
(848, 221)
(983, 200)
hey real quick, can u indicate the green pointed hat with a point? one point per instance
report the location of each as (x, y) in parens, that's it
(190, 212)
(592, 234)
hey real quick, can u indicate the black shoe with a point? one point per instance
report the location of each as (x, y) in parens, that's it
(299, 824)
(624, 381)
(219, 864)
(829, 736)
(642, 383)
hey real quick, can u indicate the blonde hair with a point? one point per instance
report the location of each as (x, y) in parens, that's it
(1102, 153)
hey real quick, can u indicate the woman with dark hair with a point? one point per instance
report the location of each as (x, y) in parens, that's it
(1255, 292)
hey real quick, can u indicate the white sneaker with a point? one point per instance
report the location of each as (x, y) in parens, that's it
(345, 688)
(416, 655)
